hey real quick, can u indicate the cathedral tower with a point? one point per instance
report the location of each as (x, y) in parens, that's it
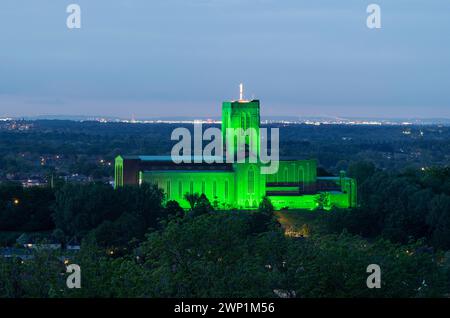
(242, 118)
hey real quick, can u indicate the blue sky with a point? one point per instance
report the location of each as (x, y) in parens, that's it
(184, 57)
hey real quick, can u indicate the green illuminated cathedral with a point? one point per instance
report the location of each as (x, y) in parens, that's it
(240, 185)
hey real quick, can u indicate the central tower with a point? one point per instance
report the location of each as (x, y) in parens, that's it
(241, 122)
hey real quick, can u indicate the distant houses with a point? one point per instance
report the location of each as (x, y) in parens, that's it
(21, 253)
(27, 245)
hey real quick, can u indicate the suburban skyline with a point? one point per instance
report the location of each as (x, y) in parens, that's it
(300, 58)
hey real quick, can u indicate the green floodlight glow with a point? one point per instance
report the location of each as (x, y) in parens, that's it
(241, 185)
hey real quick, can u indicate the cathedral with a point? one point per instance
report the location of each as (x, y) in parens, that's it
(240, 185)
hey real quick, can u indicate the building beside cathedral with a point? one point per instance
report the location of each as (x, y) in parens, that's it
(240, 185)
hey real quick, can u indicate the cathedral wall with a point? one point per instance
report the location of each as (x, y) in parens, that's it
(306, 202)
(219, 187)
(295, 171)
(250, 185)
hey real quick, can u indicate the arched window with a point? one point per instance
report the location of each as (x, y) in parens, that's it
(301, 178)
(226, 189)
(243, 121)
(168, 189)
(251, 181)
(180, 189)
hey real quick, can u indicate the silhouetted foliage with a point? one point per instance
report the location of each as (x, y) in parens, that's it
(116, 216)
(401, 207)
(25, 209)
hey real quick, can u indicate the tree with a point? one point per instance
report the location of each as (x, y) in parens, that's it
(129, 212)
(25, 209)
(192, 198)
(263, 219)
(266, 206)
(361, 170)
(439, 221)
(174, 209)
(59, 235)
(323, 201)
(202, 206)
(210, 255)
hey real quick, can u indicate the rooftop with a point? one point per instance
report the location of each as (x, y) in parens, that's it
(170, 158)
(196, 158)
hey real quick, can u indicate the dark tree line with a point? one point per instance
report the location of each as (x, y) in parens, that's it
(26, 209)
(220, 254)
(112, 217)
(402, 207)
(133, 245)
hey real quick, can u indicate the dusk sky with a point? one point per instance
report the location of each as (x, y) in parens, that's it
(156, 58)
